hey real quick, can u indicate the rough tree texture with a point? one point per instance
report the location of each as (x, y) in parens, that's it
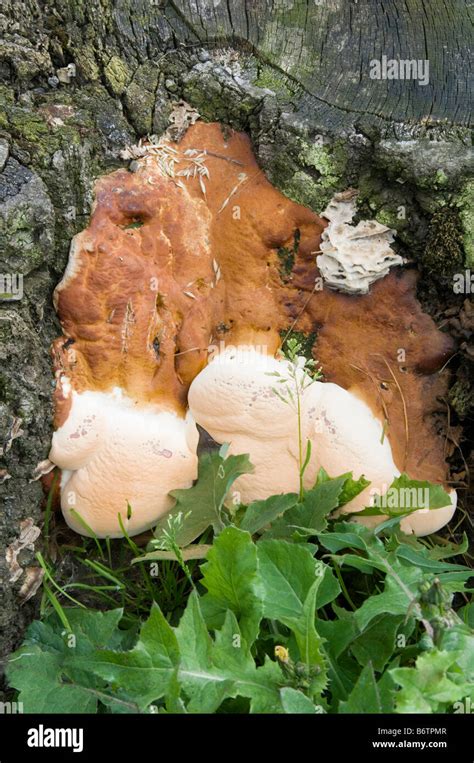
(295, 76)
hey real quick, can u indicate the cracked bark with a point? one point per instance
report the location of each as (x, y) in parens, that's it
(304, 71)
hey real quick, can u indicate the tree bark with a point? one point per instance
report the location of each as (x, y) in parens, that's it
(82, 79)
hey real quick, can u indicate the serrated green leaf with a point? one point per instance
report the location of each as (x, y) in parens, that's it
(310, 516)
(194, 551)
(205, 686)
(429, 686)
(231, 578)
(45, 669)
(449, 549)
(260, 684)
(460, 639)
(288, 571)
(352, 488)
(144, 673)
(261, 513)
(202, 504)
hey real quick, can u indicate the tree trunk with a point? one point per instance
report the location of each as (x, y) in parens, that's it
(80, 80)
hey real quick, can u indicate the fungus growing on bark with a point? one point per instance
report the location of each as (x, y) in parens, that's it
(147, 288)
(181, 261)
(347, 436)
(247, 399)
(354, 256)
(122, 369)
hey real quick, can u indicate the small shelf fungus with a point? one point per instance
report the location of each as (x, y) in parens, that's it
(176, 286)
(354, 256)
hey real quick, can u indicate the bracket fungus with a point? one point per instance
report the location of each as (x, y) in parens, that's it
(176, 282)
(250, 400)
(354, 256)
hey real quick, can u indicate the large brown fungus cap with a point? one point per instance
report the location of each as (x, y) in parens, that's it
(181, 255)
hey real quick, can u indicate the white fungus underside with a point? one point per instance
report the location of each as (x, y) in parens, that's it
(114, 452)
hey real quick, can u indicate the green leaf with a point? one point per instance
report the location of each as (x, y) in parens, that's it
(173, 701)
(466, 614)
(449, 549)
(295, 702)
(311, 515)
(421, 558)
(231, 578)
(232, 656)
(202, 504)
(214, 670)
(460, 639)
(377, 642)
(367, 566)
(194, 551)
(429, 686)
(205, 686)
(329, 588)
(310, 643)
(291, 579)
(44, 669)
(352, 488)
(365, 697)
(399, 593)
(261, 513)
(349, 535)
(288, 571)
(145, 673)
(338, 634)
(406, 496)
(320, 501)
(322, 476)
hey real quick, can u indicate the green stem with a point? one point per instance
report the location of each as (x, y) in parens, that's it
(183, 564)
(344, 590)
